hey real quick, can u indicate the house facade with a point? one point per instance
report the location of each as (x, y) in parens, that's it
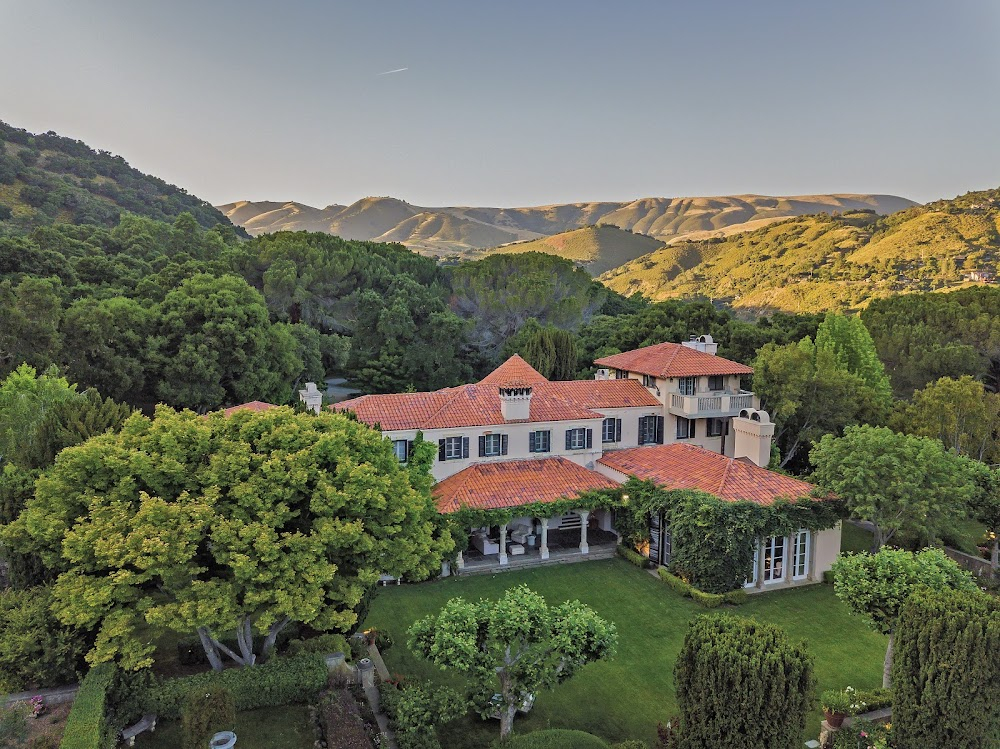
(674, 414)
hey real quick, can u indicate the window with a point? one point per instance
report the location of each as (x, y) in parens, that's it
(453, 448)
(650, 430)
(540, 441)
(611, 430)
(402, 449)
(715, 427)
(660, 540)
(685, 428)
(649, 381)
(621, 374)
(800, 555)
(491, 445)
(579, 439)
(716, 382)
(774, 559)
(686, 385)
(751, 580)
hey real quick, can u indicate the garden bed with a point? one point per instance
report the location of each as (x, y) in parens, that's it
(288, 727)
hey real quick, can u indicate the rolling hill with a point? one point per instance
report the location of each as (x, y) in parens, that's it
(450, 230)
(819, 262)
(47, 178)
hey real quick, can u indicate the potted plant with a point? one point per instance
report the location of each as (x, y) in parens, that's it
(836, 705)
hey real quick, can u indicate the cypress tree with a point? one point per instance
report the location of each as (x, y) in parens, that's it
(946, 688)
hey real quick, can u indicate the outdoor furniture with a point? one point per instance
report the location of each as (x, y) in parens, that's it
(485, 544)
(519, 533)
(148, 723)
(516, 550)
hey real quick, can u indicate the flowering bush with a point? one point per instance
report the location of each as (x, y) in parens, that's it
(37, 705)
(851, 701)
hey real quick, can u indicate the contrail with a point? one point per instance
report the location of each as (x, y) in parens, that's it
(389, 72)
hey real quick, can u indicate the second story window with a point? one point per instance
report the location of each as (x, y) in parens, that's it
(621, 374)
(579, 439)
(453, 448)
(685, 428)
(402, 449)
(686, 385)
(540, 441)
(611, 430)
(716, 383)
(651, 430)
(491, 445)
(649, 381)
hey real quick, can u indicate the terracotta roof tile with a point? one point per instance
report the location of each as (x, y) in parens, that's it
(672, 360)
(680, 466)
(513, 483)
(601, 393)
(515, 369)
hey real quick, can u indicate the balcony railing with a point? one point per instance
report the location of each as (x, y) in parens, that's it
(710, 404)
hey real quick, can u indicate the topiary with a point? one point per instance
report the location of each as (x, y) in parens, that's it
(206, 712)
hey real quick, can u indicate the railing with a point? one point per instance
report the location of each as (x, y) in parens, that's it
(706, 405)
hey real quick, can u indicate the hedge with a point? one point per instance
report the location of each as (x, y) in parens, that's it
(280, 681)
(87, 726)
(706, 600)
(633, 557)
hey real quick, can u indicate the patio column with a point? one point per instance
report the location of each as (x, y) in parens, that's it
(503, 544)
(584, 547)
(544, 548)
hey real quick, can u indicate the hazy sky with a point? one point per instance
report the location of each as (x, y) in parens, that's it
(517, 103)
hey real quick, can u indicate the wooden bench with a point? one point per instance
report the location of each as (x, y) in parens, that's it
(148, 723)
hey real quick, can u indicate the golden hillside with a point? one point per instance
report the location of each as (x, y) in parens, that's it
(820, 262)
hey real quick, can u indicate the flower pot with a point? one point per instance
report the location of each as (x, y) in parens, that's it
(836, 720)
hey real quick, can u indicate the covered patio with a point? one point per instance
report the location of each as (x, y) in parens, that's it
(532, 539)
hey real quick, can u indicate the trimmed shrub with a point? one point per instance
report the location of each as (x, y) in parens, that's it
(674, 582)
(828, 577)
(415, 711)
(736, 597)
(945, 671)
(555, 738)
(630, 744)
(742, 685)
(707, 600)
(87, 726)
(281, 681)
(322, 644)
(205, 713)
(633, 557)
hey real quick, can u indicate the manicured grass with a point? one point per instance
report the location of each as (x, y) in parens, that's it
(626, 697)
(267, 728)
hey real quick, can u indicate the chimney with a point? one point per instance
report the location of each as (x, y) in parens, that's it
(515, 401)
(312, 397)
(703, 343)
(753, 433)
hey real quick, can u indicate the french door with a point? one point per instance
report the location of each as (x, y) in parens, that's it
(660, 541)
(774, 559)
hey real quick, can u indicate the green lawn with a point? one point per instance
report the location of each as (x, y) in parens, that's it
(266, 728)
(626, 697)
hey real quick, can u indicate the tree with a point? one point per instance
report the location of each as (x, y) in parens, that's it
(877, 585)
(513, 647)
(896, 481)
(854, 351)
(742, 684)
(960, 413)
(29, 323)
(987, 511)
(227, 525)
(25, 399)
(36, 650)
(945, 671)
(551, 351)
(71, 422)
(808, 394)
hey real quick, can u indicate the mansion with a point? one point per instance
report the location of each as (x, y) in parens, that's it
(673, 414)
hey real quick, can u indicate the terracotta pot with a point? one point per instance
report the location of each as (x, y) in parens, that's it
(835, 720)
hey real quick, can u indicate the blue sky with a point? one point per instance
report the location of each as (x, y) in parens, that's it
(517, 103)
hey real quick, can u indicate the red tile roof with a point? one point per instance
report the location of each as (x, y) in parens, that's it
(513, 483)
(515, 369)
(680, 466)
(672, 360)
(251, 406)
(479, 404)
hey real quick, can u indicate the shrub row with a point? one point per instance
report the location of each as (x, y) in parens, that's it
(87, 726)
(323, 644)
(707, 600)
(633, 557)
(280, 681)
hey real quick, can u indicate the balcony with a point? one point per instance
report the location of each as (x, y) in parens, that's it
(705, 405)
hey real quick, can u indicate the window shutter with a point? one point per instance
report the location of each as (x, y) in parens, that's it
(465, 447)
(659, 430)
(590, 438)
(618, 430)
(531, 442)
(482, 446)
(569, 439)
(440, 449)
(503, 444)
(409, 449)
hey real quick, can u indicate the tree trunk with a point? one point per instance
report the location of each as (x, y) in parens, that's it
(507, 713)
(244, 637)
(887, 664)
(272, 636)
(210, 649)
(877, 540)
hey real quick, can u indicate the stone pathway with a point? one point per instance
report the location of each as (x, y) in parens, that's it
(375, 700)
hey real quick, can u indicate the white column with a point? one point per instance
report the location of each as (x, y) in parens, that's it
(544, 548)
(584, 547)
(503, 544)
(460, 561)
(760, 563)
